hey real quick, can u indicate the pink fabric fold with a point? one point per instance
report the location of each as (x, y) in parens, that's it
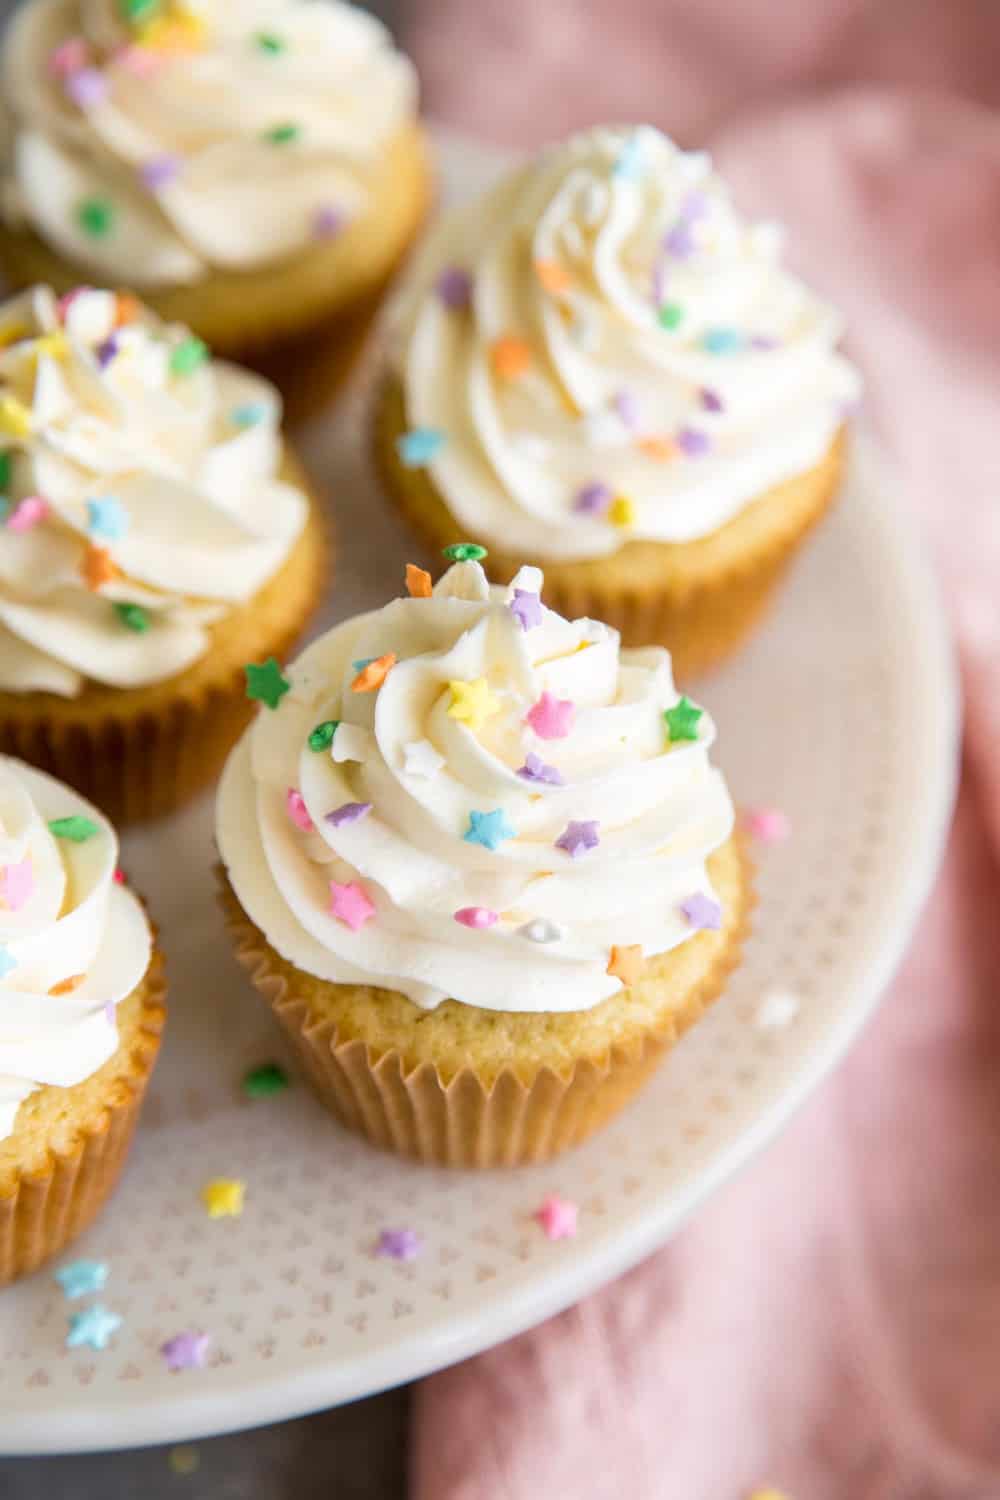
(830, 1322)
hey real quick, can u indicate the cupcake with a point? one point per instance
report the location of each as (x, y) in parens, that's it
(154, 536)
(478, 862)
(81, 1010)
(255, 170)
(599, 365)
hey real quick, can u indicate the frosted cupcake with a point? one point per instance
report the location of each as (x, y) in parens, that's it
(154, 535)
(598, 364)
(255, 170)
(81, 1010)
(480, 865)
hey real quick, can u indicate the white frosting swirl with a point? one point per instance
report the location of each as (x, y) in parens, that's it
(542, 920)
(180, 122)
(72, 941)
(672, 369)
(140, 497)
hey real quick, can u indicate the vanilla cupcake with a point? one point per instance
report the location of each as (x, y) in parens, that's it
(478, 861)
(600, 365)
(255, 169)
(154, 536)
(81, 1010)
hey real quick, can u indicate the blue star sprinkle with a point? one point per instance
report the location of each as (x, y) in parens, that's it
(81, 1277)
(489, 829)
(419, 446)
(93, 1327)
(106, 516)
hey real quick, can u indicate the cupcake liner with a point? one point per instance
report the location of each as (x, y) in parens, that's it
(141, 753)
(43, 1210)
(700, 600)
(464, 1121)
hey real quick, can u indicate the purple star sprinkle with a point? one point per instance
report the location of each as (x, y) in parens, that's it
(593, 499)
(694, 443)
(702, 912)
(86, 87)
(763, 341)
(695, 205)
(535, 769)
(454, 287)
(328, 221)
(107, 351)
(186, 1351)
(679, 241)
(526, 608)
(158, 171)
(349, 812)
(627, 407)
(399, 1244)
(711, 400)
(577, 838)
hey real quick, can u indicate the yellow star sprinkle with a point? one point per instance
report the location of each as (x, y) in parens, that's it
(55, 345)
(223, 1197)
(768, 1494)
(15, 418)
(621, 511)
(11, 332)
(472, 703)
(181, 31)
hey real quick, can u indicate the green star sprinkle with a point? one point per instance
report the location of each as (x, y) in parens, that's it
(133, 617)
(268, 42)
(282, 135)
(96, 217)
(139, 10)
(465, 552)
(75, 828)
(682, 721)
(265, 1081)
(670, 314)
(6, 471)
(189, 354)
(266, 683)
(322, 736)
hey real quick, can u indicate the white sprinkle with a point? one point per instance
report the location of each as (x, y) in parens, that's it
(777, 1010)
(540, 931)
(421, 759)
(351, 742)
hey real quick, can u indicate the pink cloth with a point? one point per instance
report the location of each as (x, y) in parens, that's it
(830, 1322)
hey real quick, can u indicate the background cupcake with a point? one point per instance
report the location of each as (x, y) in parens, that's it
(600, 365)
(478, 861)
(81, 1009)
(254, 169)
(154, 536)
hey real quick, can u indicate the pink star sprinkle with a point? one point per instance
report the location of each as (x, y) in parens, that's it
(297, 810)
(351, 904)
(69, 57)
(399, 1244)
(18, 884)
(119, 876)
(769, 825)
(185, 1351)
(557, 1217)
(551, 718)
(139, 61)
(477, 916)
(27, 513)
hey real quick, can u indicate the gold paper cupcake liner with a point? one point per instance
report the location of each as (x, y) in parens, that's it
(700, 599)
(520, 1115)
(45, 1206)
(141, 753)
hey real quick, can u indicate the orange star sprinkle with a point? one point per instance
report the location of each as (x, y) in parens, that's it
(510, 356)
(97, 567)
(65, 986)
(554, 278)
(374, 674)
(418, 582)
(660, 448)
(627, 963)
(127, 308)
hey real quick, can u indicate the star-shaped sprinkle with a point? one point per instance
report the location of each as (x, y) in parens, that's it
(270, 43)
(579, 836)
(694, 443)
(107, 350)
(266, 683)
(768, 825)
(510, 356)
(297, 811)
(96, 217)
(558, 1217)
(328, 221)
(626, 404)
(76, 828)
(351, 742)
(159, 171)
(265, 1081)
(69, 57)
(285, 134)
(17, 884)
(660, 449)
(551, 718)
(419, 584)
(92, 1327)
(478, 917)
(631, 163)
(6, 471)
(454, 288)
(373, 673)
(702, 913)
(128, 309)
(348, 812)
(81, 1277)
(777, 1010)
(97, 568)
(722, 340)
(490, 829)
(626, 962)
(419, 446)
(536, 770)
(15, 418)
(186, 1351)
(682, 721)
(8, 963)
(552, 277)
(472, 703)
(250, 414)
(464, 552)
(321, 738)
(28, 513)
(223, 1197)
(679, 241)
(133, 617)
(399, 1244)
(106, 517)
(526, 609)
(711, 400)
(187, 356)
(593, 499)
(540, 930)
(420, 758)
(670, 315)
(621, 512)
(351, 904)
